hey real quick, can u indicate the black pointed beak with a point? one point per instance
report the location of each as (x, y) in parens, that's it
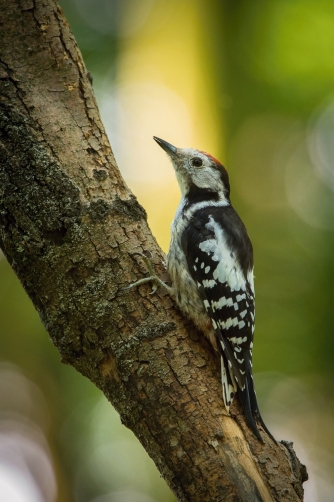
(170, 149)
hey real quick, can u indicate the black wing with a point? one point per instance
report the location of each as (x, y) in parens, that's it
(220, 260)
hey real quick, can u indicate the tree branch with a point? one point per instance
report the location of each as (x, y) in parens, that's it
(72, 230)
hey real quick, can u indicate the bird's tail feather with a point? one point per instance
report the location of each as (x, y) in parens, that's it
(251, 408)
(247, 399)
(255, 407)
(228, 383)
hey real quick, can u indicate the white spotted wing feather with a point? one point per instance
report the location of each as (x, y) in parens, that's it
(226, 286)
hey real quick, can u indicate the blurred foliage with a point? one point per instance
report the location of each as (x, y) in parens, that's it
(252, 83)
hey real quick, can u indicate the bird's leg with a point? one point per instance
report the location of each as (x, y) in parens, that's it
(152, 278)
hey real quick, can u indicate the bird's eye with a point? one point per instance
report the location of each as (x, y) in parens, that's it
(196, 161)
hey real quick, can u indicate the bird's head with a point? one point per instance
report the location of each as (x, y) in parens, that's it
(199, 174)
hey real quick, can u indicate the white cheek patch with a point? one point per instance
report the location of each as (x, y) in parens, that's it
(209, 178)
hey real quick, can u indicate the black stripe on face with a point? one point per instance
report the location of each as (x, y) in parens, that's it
(196, 194)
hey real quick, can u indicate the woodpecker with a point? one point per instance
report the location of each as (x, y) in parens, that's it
(210, 263)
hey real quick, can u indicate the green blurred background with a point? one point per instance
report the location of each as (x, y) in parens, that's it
(253, 84)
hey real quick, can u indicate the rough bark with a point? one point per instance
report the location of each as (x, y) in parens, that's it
(71, 230)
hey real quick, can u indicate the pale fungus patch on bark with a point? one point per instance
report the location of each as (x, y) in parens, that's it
(108, 368)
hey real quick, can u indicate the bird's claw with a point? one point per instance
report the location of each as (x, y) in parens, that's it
(153, 278)
(154, 288)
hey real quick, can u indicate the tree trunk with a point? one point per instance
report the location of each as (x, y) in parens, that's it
(72, 231)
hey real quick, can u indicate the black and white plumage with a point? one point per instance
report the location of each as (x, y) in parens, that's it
(210, 262)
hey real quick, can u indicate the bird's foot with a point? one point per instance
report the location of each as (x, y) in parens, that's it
(153, 278)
